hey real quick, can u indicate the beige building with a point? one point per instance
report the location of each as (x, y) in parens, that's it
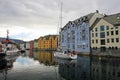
(105, 32)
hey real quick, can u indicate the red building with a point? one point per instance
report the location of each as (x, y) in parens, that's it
(31, 45)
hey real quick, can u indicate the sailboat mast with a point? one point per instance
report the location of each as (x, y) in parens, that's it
(61, 15)
(7, 34)
(60, 24)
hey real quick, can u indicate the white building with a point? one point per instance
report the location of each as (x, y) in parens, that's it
(27, 45)
(22, 46)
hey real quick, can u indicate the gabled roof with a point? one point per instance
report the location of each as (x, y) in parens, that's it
(96, 21)
(89, 16)
(48, 36)
(78, 21)
(112, 19)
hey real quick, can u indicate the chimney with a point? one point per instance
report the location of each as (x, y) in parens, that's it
(97, 11)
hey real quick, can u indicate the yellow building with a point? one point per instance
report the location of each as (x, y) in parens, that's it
(49, 42)
(46, 58)
(105, 33)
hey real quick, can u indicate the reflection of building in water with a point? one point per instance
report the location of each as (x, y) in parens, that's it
(46, 57)
(83, 68)
(31, 53)
(35, 55)
(5, 65)
(105, 69)
(75, 70)
(67, 70)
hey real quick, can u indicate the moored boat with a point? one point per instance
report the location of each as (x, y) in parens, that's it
(9, 47)
(2, 54)
(65, 55)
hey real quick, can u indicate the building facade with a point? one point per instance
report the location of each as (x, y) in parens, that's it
(35, 44)
(31, 45)
(49, 42)
(105, 33)
(75, 34)
(27, 45)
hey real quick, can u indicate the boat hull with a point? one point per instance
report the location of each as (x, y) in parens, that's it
(64, 56)
(12, 52)
(2, 55)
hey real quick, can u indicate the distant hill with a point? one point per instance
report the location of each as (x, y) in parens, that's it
(15, 40)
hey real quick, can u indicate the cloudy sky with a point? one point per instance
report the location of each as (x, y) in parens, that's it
(30, 19)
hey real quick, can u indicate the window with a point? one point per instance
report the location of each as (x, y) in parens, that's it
(116, 32)
(96, 29)
(73, 46)
(116, 27)
(102, 35)
(102, 28)
(96, 34)
(107, 33)
(108, 40)
(96, 41)
(77, 39)
(102, 42)
(107, 27)
(112, 40)
(92, 34)
(68, 45)
(83, 34)
(92, 41)
(117, 39)
(112, 33)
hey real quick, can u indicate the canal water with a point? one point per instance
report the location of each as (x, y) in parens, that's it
(43, 66)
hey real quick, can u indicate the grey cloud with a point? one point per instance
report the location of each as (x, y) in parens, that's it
(46, 12)
(109, 6)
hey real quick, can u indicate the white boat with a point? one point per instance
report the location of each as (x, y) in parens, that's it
(9, 47)
(64, 55)
(12, 52)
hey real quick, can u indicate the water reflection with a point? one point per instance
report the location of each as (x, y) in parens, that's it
(67, 70)
(46, 58)
(74, 69)
(105, 68)
(41, 65)
(6, 64)
(86, 68)
(83, 68)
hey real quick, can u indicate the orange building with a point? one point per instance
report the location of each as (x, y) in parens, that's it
(49, 42)
(46, 58)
